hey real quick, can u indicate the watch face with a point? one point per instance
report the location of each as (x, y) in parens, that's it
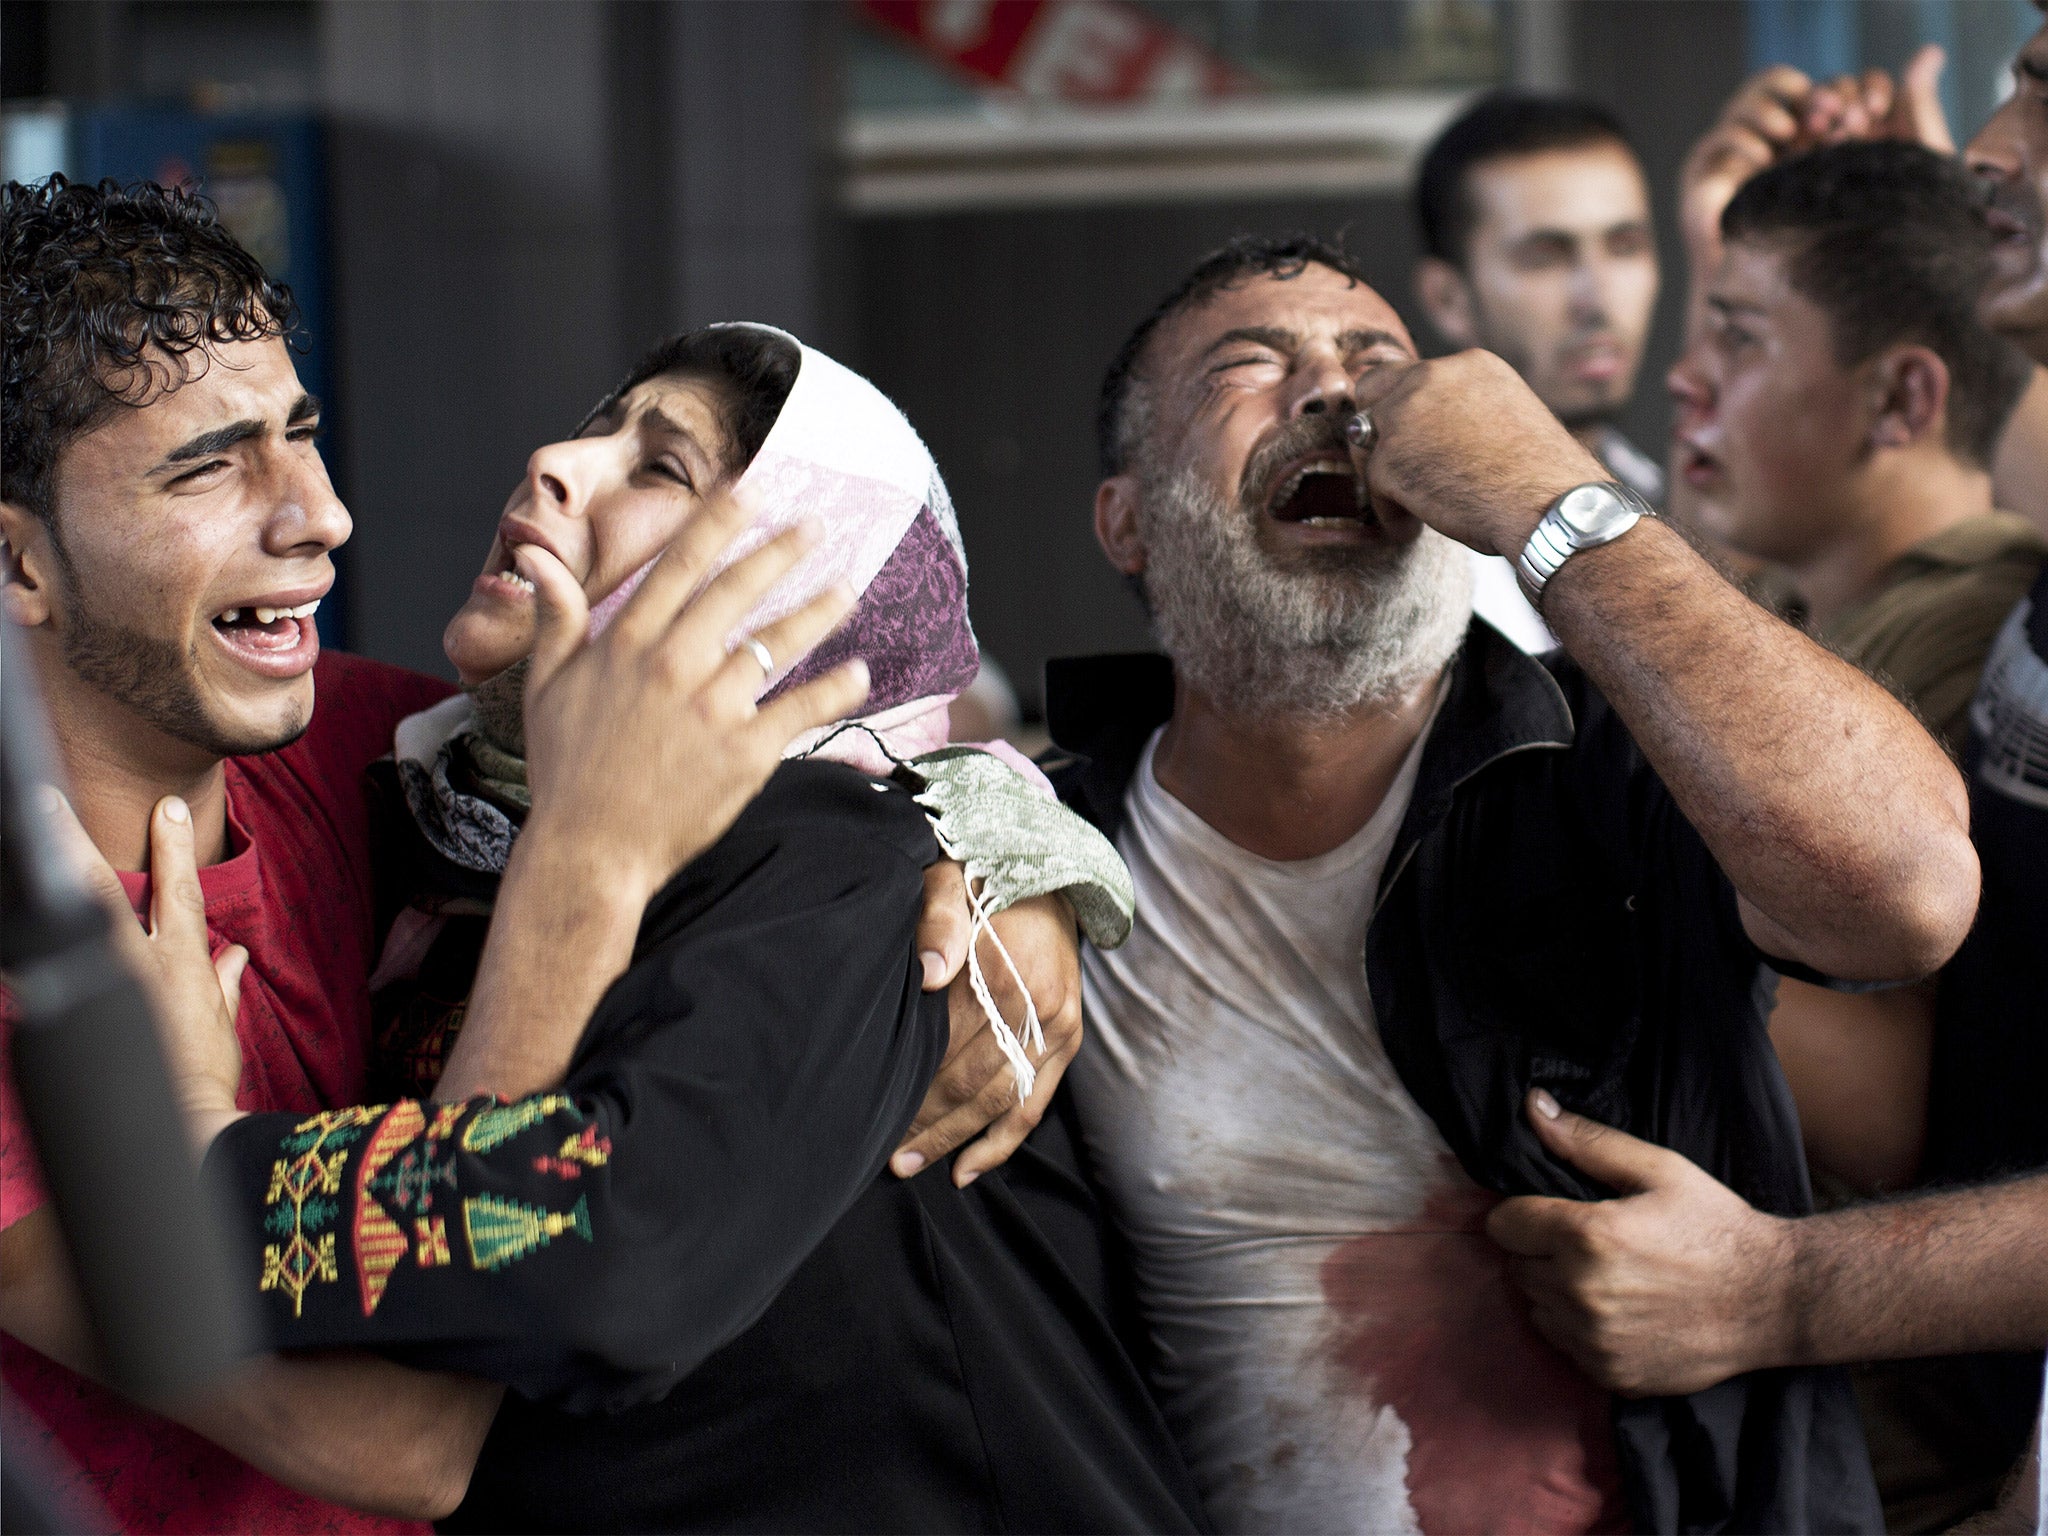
(1591, 509)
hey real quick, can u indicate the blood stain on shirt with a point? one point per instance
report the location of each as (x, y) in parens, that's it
(1507, 1435)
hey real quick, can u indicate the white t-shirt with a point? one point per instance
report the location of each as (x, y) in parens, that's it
(1337, 1345)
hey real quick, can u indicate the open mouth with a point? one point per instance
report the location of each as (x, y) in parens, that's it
(1698, 468)
(1323, 493)
(278, 641)
(2006, 228)
(510, 575)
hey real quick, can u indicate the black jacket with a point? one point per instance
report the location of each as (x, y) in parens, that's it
(716, 1309)
(1549, 918)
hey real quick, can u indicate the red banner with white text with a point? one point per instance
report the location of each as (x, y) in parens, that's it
(1095, 52)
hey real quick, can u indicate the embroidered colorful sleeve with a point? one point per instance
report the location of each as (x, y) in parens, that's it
(355, 1198)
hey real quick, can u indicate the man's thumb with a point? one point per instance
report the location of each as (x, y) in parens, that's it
(1622, 1162)
(944, 928)
(561, 615)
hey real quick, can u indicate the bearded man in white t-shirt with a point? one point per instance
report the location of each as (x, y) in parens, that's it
(1397, 881)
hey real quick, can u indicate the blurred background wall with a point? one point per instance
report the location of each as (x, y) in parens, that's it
(492, 205)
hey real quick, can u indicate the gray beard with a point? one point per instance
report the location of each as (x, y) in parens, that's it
(1341, 630)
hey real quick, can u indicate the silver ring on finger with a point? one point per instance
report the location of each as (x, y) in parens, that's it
(761, 654)
(1361, 432)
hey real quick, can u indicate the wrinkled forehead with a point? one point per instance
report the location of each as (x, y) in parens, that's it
(687, 402)
(1317, 305)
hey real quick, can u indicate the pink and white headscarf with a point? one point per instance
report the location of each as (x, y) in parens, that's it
(843, 455)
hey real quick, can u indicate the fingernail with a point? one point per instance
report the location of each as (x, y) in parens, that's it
(858, 670)
(934, 967)
(176, 810)
(810, 530)
(1546, 1106)
(967, 1179)
(906, 1163)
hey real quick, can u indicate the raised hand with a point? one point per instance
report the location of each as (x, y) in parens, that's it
(642, 746)
(1780, 111)
(1675, 1284)
(1774, 113)
(644, 743)
(1464, 444)
(1916, 114)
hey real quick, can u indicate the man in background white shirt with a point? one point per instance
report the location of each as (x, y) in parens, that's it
(1534, 217)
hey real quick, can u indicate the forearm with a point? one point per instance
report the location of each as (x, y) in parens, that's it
(1838, 819)
(350, 1428)
(1938, 1274)
(562, 932)
(355, 1429)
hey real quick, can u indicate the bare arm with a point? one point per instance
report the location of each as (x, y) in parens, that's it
(1857, 1064)
(1678, 1283)
(1841, 823)
(350, 1428)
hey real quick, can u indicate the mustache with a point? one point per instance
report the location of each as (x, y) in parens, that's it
(1298, 438)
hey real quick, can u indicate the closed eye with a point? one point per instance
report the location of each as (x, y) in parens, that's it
(669, 469)
(198, 471)
(1378, 357)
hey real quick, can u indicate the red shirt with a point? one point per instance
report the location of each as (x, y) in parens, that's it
(295, 892)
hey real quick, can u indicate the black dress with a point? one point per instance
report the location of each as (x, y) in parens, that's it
(715, 1309)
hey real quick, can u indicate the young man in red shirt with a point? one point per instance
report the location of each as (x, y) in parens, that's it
(168, 529)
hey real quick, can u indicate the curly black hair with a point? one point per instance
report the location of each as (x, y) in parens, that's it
(105, 292)
(1122, 409)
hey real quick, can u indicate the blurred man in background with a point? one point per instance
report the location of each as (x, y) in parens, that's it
(1537, 245)
(1839, 407)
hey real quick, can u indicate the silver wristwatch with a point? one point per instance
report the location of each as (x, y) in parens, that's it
(1584, 517)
